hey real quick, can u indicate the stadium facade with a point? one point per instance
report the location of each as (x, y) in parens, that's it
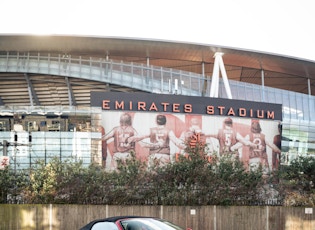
(55, 90)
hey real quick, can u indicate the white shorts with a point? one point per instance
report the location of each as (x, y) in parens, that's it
(160, 157)
(121, 156)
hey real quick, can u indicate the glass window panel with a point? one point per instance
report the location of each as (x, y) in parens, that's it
(286, 106)
(312, 108)
(293, 107)
(257, 93)
(299, 106)
(306, 111)
(278, 97)
(269, 95)
(311, 133)
(222, 91)
(248, 92)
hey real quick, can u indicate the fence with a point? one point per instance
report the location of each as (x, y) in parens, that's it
(138, 76)
(54, 217)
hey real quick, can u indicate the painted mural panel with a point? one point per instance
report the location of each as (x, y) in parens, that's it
(160, 126)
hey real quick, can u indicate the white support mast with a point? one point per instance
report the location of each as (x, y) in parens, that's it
(219, 65)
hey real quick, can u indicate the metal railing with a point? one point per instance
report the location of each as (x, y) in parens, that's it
(138, 76)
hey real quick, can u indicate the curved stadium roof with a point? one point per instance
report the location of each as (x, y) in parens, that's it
(281, 72)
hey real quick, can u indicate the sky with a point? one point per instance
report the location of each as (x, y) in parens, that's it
(284, 27)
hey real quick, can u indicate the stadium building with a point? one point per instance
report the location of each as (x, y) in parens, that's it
(63, 96)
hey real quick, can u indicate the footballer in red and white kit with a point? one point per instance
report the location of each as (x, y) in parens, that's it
(229, 140)
(160, 137)
(226, 136)
(120, 134)
(193, 134)
(258, 147)
(276, 156)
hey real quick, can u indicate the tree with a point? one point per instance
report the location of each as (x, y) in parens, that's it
(13, 185)
(297, 181)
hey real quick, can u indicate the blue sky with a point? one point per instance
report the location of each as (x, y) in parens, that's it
(283, 27)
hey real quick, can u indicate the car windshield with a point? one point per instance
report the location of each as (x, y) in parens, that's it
(148, 224)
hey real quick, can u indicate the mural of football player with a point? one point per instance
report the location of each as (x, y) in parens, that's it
(120, 135)
(258, 147)
(276, 156)
(159, 141)
(104, 146)
(189, 135)
(229, 140)
(194, 135)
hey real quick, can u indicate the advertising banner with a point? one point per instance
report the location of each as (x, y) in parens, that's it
(155, 126)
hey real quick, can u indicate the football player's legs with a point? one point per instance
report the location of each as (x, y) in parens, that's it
(164, 158)
(159, 158)
(123, 156)
(265, 163)
(254, 163)
(275, 160)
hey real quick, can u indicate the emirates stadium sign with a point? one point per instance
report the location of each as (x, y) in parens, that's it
(144, 102)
